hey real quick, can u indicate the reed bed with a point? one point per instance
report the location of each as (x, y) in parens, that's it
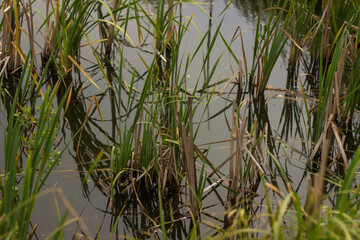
(157, 113)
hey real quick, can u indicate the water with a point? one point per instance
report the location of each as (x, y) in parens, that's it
(90, 198)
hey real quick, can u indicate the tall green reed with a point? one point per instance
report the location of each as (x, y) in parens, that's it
(270, 40)
(29, 138)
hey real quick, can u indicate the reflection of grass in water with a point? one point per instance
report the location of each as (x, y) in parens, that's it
(151, 145)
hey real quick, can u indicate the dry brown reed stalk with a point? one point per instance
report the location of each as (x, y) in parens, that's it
(253, 167)
(33, 232)
(137, 136)
(166, 171)
(30, 23)
(232, 141)
(187, 144)
(239, 83)
(162, 168)
(237, 142)
(3, 63)
(243, 183)
(167, 162)
(167, 167)
(235, 166)
(11, 37)
(78, 236)
(292, 46)
(111, 31)
(326, 141)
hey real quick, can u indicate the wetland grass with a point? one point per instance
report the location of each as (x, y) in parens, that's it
(30, 152)
(157, 114)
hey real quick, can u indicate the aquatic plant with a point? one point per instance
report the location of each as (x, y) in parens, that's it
(157, 113)
(29, 153)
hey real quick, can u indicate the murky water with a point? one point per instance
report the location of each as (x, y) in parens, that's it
(90, 198)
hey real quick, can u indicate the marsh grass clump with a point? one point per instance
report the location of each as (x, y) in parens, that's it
(66, 25)
(11, 35)
(154, 141)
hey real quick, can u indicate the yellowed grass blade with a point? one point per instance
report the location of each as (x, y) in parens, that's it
(341, 147)
(118, 27)
(83, 71)
(68, 99)
(293, 40)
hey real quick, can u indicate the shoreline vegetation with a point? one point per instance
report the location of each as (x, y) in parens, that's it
(50, 58)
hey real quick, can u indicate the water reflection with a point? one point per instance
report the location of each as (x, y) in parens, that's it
(87, 134)
(139, 216)
(249, 9)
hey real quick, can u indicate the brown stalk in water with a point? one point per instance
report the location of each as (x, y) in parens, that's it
(188, 149)
(137, 136)
(235, 171)
(316, 187)
(245, 170)
(30, 23)
(232, 141)
(11, 37)
(111, 32)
